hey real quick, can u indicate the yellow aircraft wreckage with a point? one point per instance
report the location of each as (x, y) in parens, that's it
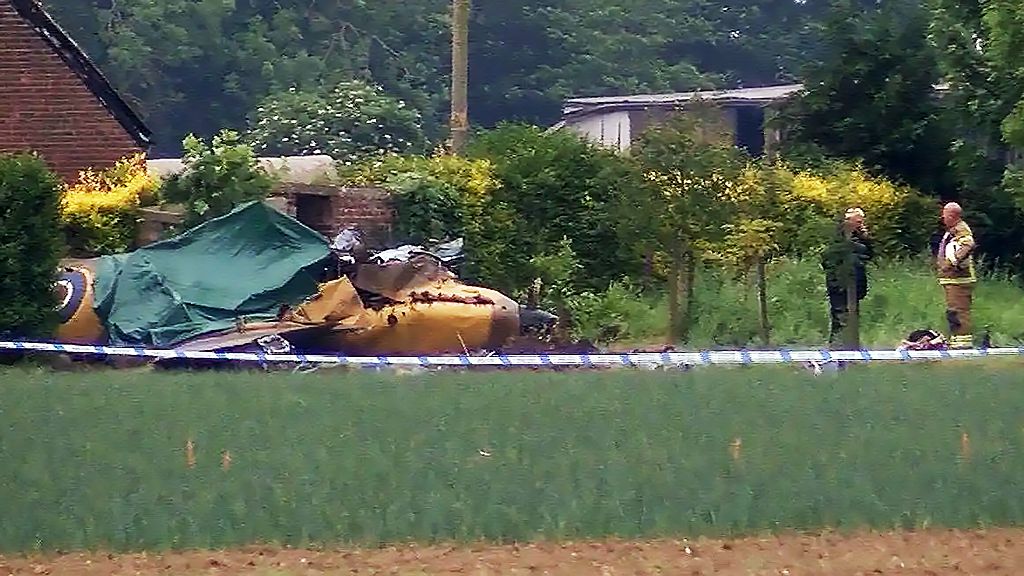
(257, 279)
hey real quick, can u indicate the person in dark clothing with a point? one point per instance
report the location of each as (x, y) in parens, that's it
(849, 252)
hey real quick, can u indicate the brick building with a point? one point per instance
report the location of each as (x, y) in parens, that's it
(53, 99)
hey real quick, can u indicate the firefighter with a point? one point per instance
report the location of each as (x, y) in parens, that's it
(850, 251)
(955, 263)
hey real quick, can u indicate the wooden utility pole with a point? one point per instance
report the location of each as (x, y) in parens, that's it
(459, 122)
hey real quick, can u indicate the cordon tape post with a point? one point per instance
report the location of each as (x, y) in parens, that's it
(636, 359)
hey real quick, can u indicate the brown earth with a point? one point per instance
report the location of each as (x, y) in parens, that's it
(926, 553)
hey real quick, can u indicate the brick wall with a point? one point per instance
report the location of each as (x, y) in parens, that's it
(328, 209)
(46, 108)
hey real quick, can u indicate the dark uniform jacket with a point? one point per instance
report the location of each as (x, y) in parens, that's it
(844, 254)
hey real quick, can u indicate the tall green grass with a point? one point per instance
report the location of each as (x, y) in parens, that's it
(98, 459)
(903, 296)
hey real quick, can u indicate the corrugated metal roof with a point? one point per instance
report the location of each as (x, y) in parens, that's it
(290, 169)
(762, 94)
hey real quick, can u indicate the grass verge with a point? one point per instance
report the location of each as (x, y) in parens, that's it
(903, 296)
(100, 460)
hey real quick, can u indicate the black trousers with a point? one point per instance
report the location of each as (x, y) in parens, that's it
(838, 312)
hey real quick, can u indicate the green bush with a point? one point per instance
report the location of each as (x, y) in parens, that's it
(443, 197)
(217, 178)
(515, 197)
(561, 186)
(30, 245)
(622, 313)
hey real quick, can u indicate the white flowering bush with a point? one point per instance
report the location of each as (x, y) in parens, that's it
(349, 122)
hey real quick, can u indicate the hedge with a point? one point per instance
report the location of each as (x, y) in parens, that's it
(30, 245)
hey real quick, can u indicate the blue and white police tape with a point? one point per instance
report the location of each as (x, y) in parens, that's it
(636, 359)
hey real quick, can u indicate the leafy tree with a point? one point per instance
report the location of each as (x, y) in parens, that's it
(199, 66)
(216, 178)
(30, 246)
(871, 97)
(351, 121)
(692, 164)
(562, 187)
(980, 42)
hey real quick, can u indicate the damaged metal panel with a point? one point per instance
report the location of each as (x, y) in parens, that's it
(404, 300)
(397, 280)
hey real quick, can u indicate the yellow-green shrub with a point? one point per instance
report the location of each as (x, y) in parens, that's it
(100, 210)
(776, 211)
(899, 218)
(797, 211)
(443, 196)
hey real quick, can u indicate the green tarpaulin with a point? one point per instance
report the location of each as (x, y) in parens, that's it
(247, 263)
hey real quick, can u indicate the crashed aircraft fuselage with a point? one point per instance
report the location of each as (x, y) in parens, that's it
(406, 305)
(439, 316)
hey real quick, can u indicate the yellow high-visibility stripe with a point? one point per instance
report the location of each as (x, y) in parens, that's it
(957, 281)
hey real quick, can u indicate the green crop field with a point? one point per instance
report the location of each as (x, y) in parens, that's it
(99, 458)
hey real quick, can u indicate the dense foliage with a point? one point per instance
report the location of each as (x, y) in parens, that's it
(710, 204)
(564, 188)
(521, 198)
(980, 43)
(349, 122)
(928, 94)
(552, 213)
(216, 178)
(873, 97)
(30, 245)
(442, 197)
(197, 67)
(100, 211)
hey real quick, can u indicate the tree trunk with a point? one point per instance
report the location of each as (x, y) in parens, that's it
(562, 332)
(675, 272)
(762, 300)
(689, 272)
(459, 122)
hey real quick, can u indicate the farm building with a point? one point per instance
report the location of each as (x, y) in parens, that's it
(616, 121)
(53, 99)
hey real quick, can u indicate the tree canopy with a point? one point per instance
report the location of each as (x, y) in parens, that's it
(199, 66)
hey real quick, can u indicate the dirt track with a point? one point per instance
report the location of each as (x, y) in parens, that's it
(932, 553)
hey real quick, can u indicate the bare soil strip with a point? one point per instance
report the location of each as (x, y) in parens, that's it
(998, 551)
